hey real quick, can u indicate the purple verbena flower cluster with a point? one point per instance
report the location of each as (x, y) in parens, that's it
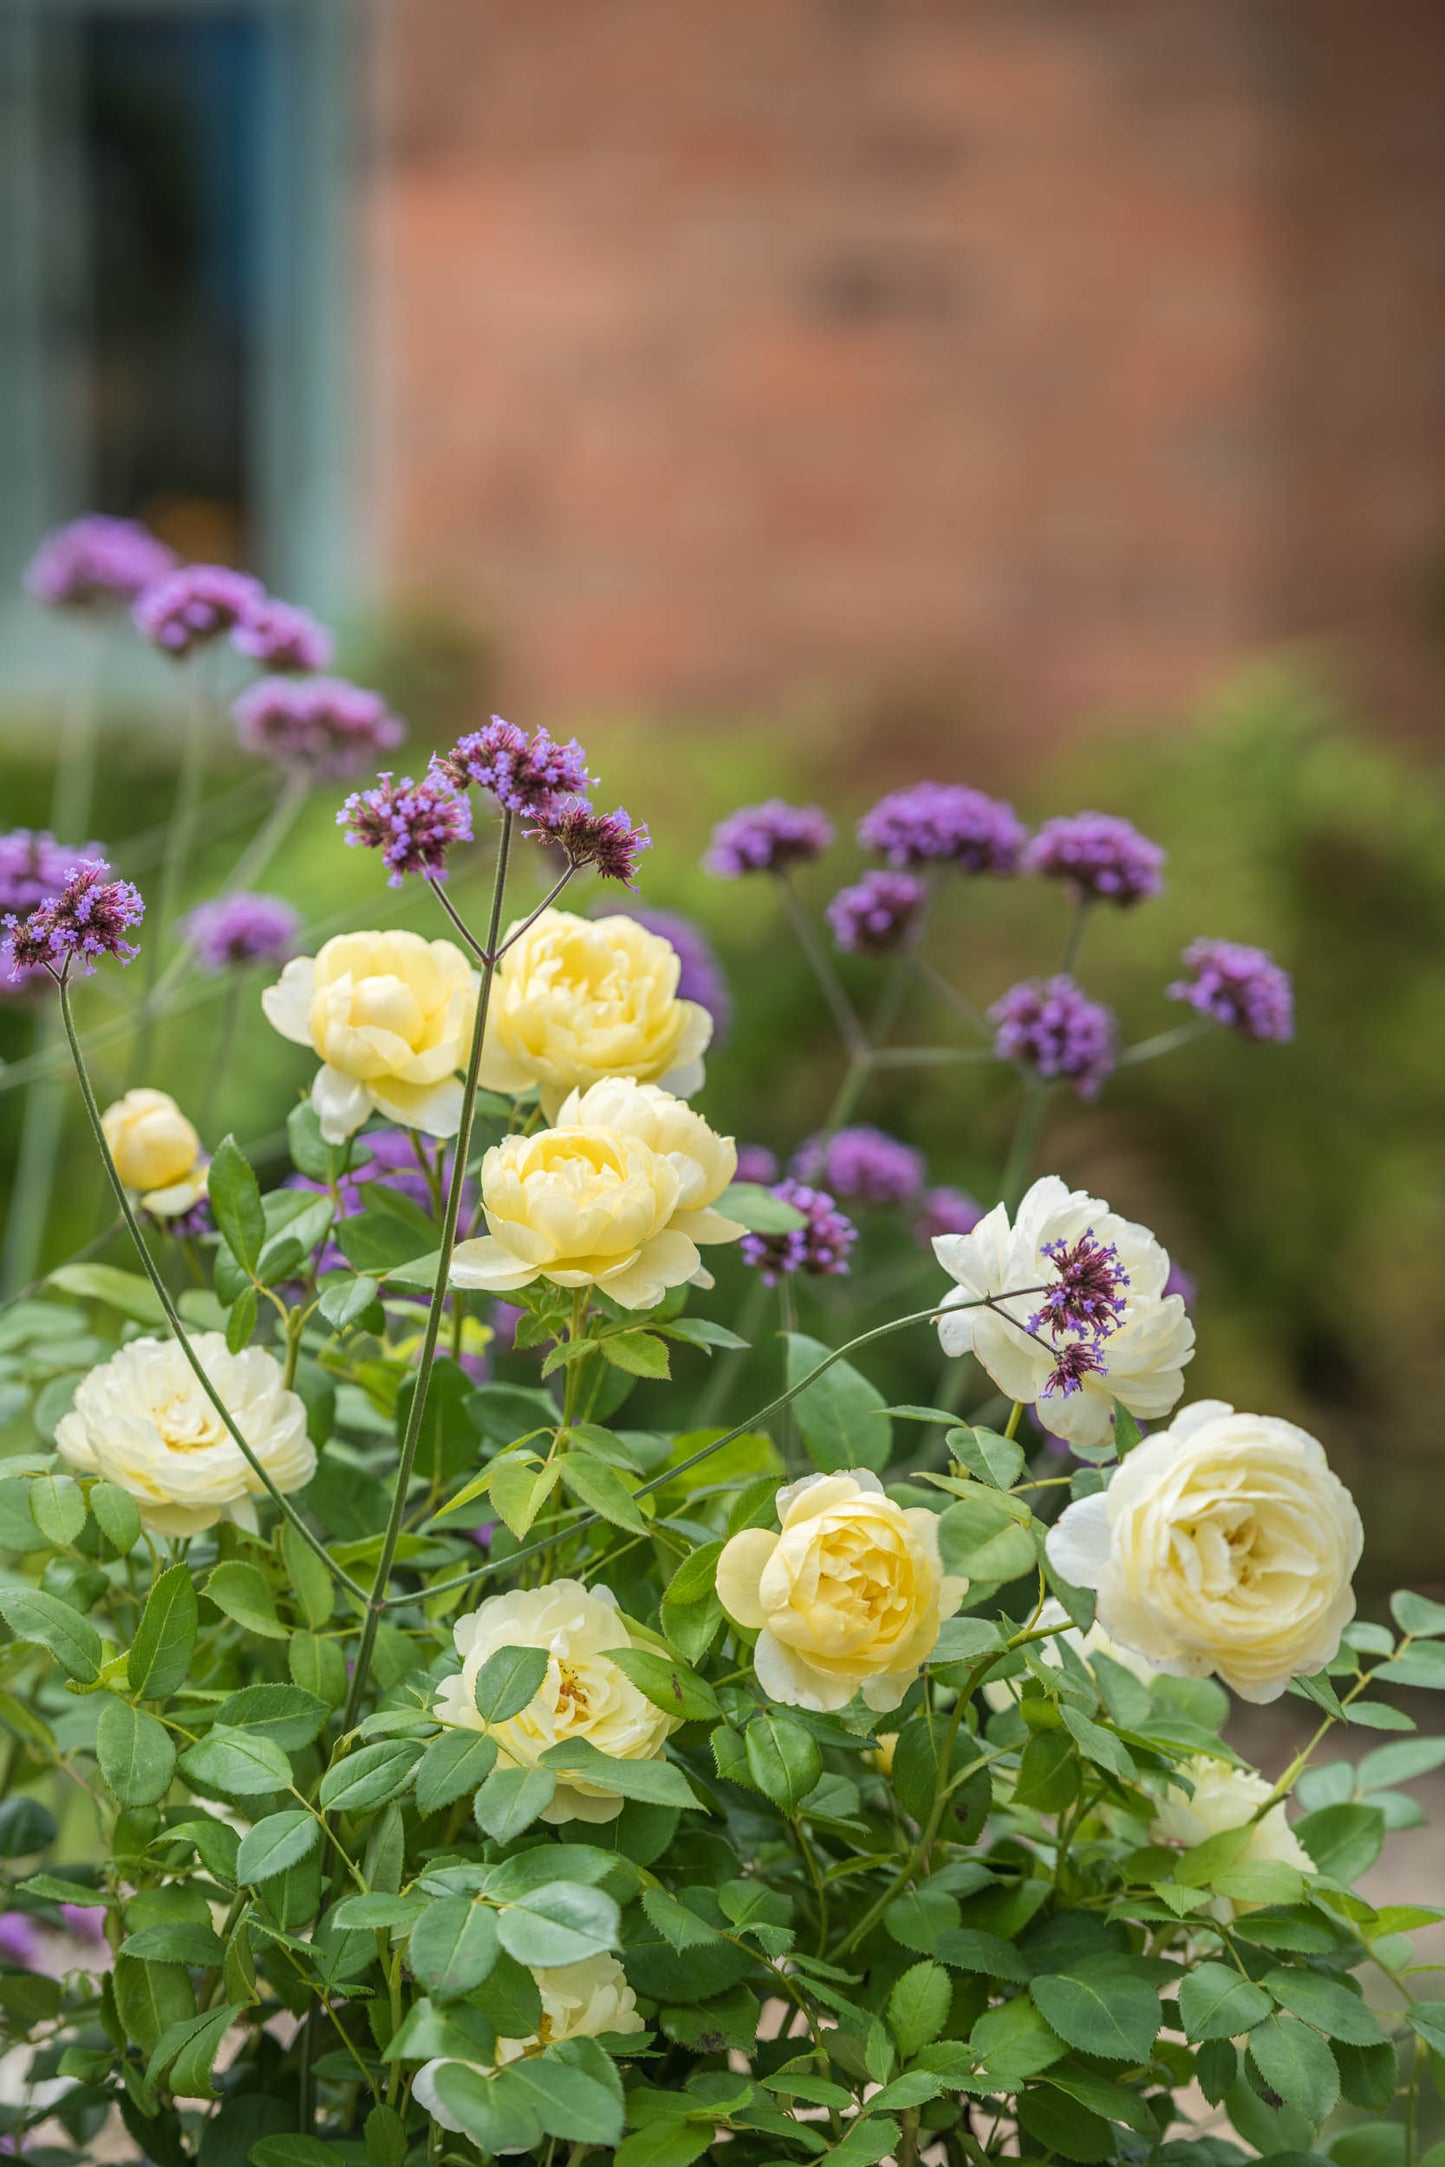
(233, 930)
(1088, 1293)
(944, 824)
(862, 1166)
(1104, 858)
(1241, 987)
(282, 638)
(945, 1211)
(531, 776)
(197, 604)
(88, 918)
(413, 825)
(877, 914)
(1074, 1360)
(608, 842)
(819, 1247)
(1052, 1027)
(33, 867)
(315, 725)
(96, 561)
(767, 839)
(701, 977)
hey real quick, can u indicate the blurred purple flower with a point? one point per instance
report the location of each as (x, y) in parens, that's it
(413, 825)
(701, 978)
(945, 1211)
(862, 1166)
(767, 839)
(877, 914)
(944, 824)
(96, 561)
(1182, 1283)
(19, 1939)
(316, 725)
(197, 604)
(86, 1922)
(1103, 858)
(281, 637)
(757, 1164)
(819, 1247)
(393, 1162)
(1052, 1027)
(233, 930)
(1243, 988)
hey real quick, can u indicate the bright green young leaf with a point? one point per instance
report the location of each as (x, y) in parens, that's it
(918, 2007)
(1417, 1614)
(117, 1516)
(125, 1292)
(575, 2092)
(602, 1490)
(669, 1684)
(841, 1415)
(310, 1582)
(243, 1592)
(982, 1538)
(640, 1354)
(31, 1614)
(369, 1777)
(58, 1508)
(1344, 1841)
(995, 1460)
(285, 1713)
(759, 1210)
(655, 1783)
(235, 1201)
(783, 1759)
(136, 1754)
(242, 1763)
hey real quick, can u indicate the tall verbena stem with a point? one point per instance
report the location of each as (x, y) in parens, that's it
(172, 1315)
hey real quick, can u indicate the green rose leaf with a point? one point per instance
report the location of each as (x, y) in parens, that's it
(242, 1763)
(136, 1754)
(281, 1840)
(453, 1946)
(1102, 2008)
(244, 1594)
(562, 1922)
(370, 1776)
(655, 1783)
(31, 1614)
(457, 1762)
(1297, 2064)
(1216, 2003)
(507, 1681)
(841, 1416)
(235, 1199)
(165, 1637)
(784, 1761)
(511, 1799)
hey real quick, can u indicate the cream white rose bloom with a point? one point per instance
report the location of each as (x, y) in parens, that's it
(579, 2001)
(1144, 1356)
(577, 999)
(1226, 1544)
(583, 1694)
(1000, 1693)
(1227, 1797)
(142, 1422)
(847, 1597)
(617, 1196)
(156, 1151)
(391, 1016)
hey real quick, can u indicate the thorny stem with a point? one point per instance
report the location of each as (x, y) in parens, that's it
(172, 1315)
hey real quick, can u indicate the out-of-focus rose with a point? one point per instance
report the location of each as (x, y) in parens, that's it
(848, 1597)
(583, 1695)
(617, 1196)
(142, 1421)
(1001, 1692)
(1227, 1797)
(882, 1754)
(579, 2001)
(156, 1151)
(391, 1015)
(577, 999)
(1226, 1544)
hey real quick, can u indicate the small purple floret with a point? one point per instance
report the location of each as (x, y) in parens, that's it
(526, 775)
(95, 562)
(608, 842)
(944, 824)
(1088, 1295)
(234, 930)
(767, 839)
(282, 638)
(862, 1166)
(1075, 1360)
(1243, 988)
(1104, 858)
(877, 914)
(315, 725)
(197, 604)
(820, 1247)
(1053, 1027)
(701, 977)
(946, 1211)
(413, 825)
(89, 918)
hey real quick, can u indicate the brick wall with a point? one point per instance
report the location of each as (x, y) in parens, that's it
(1065, 350)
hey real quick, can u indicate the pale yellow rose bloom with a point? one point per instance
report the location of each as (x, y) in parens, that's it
(1225, 1544)
(142, 1421)
(1000, 1693)
(579, 2001)
(1225, 1797)
(847, 1597)
(391, 1016)
(617, 1196)
(882, 1754)
(583, 1695)
(577, 999)
(156, 1151)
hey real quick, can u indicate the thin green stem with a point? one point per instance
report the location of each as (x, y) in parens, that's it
(1021, 1150)
(377, 1600)
(180, 837)
(248, 867)
(172, 1315)
(1075, 940)
(830, 985)
(525, 924)
(1149, 1049)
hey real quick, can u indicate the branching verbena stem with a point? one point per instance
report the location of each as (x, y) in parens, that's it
(172, 1314)
(377, 1601)
(850, 1029)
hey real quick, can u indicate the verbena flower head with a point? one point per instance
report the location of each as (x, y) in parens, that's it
(767, 839)
(1074, 1360)
(862, 1166)
(877, 914)
(322, 726)
(1089, 1293)
(1104, 858)
(608, 842)
(946, 1211)
(819, 1247)
(233, 930)
(1053, 1027)
(192, 606)
(526, 775)
(282, 638)
(89, 918)
(944, 824)
(757, 1164)
(1243, 988)
(701, 978)
(97, 561)
(413, 825)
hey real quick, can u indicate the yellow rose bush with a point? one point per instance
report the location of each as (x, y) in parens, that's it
(500, 1598)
